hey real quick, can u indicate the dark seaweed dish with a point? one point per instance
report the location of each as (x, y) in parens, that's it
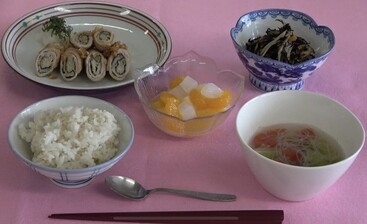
(282, 44)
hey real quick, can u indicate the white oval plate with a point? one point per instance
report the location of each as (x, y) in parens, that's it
(147, 40)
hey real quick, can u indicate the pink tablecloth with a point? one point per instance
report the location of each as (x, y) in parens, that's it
(214, 162)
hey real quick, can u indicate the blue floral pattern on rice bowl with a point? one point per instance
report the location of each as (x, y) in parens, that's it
(271, 75)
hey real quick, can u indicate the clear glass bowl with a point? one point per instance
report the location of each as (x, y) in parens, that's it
(152, 80)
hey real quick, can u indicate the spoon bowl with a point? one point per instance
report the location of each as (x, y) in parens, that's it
(131, 189)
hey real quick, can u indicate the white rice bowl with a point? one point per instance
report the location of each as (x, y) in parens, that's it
(71, 139)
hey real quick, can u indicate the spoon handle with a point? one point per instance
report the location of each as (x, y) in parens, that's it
(200, 195)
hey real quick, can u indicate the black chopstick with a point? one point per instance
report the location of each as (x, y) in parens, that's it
(180, 217)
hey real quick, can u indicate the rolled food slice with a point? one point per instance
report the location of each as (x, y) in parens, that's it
(95, 65)
(102, 38)
(71, 64)
(83, 39)
(48, 59)
(118, 64)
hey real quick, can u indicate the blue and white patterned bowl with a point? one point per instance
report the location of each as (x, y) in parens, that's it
(271, 75)
(70, 178)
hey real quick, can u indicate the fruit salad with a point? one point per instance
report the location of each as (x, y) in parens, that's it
(187, 99)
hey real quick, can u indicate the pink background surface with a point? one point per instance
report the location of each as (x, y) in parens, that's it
(212, 163)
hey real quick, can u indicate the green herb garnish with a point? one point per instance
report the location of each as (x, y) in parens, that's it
(58, 27)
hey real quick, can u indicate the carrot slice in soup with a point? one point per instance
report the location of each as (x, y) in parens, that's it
(308, 132)
(266, 138)
(292, 157)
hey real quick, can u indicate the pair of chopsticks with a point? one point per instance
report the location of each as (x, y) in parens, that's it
(181, 217)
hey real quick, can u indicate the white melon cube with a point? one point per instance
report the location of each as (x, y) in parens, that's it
(187, 110)
(210, 90)
(178, 92)
(188, 84)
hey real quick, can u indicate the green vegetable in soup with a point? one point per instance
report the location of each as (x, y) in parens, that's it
(269, 153)
(323, 156)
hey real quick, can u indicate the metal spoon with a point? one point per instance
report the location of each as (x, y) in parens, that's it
(131, 189)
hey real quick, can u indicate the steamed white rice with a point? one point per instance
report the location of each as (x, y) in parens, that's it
(71, 137)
